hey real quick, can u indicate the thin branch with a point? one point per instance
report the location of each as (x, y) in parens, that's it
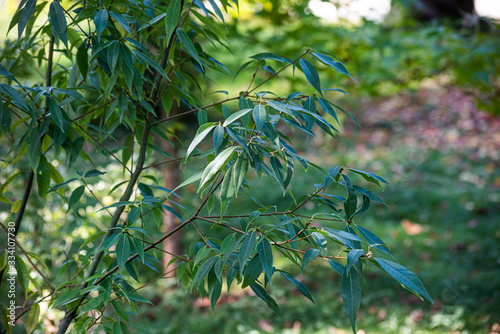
(104, 147)
(97, 199)
(29, 260)
(281, 70)
(24, 201)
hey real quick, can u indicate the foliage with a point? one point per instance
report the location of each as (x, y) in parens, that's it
(116, 74)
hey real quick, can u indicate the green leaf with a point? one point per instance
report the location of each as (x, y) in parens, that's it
(246, 249)
(82, 59)
(266, 256)
(337, 267)
(260, 116)
(193, 178)
(204, 270)
(236, 116)
(111, 240)
(62, 184)
(149, 61)
(352, 200)
(57, 113)
(352, 258)
(351, 295)
(122, 251)
(311, 75)
(67, 297)
(43, 176)
(216, 9)
(227, 187)
(101, 22)
(216, 165)
(370, 177)
(117, 205)
(252, 271)
(18, 100)
(26, 14)
(33, 318)
(120, 19)
(404, 276)
(94, 172)
(75, 197)
(240, 170)
(299, 285)
(218, 138)
(239, 139)
(262, 294)
(373, 240)
(328, 108)
(22, 275)
(202, 132)
(337, 65)
(184, 38)
(172, 18)
(308, 257)
(58, 20)
(113, 53)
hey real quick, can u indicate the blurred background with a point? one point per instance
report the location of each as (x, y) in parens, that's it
(427, 97)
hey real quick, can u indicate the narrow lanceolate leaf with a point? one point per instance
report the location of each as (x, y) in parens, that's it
(337, 65)
(75, 196)
(266, 256)
(122, 251)
(246, 249)
(172, 18)
(26, 14)
(351, 295)
(121, 20)
(17, 98)
(204, 270)
(309, 255)
(101, 21)
(202, 132)
(236, 116)
(43, 176)
(58, 20)
(218, 138)
(328, 108)
(370, 177)
(82, 58)
(262, 294)
(311, 75)
(33, 318)
(227, 186)
(259, 115)
(352, 258)
(216, 165)
(113, 53)
(351, 203)
(186, 41)
(404, 276)
(240, 170)
(299, 285)
(57, 113)
(22, 274)
(373, 240)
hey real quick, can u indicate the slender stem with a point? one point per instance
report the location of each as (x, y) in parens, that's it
(104, 147)
(24, 201)
(194, 110)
